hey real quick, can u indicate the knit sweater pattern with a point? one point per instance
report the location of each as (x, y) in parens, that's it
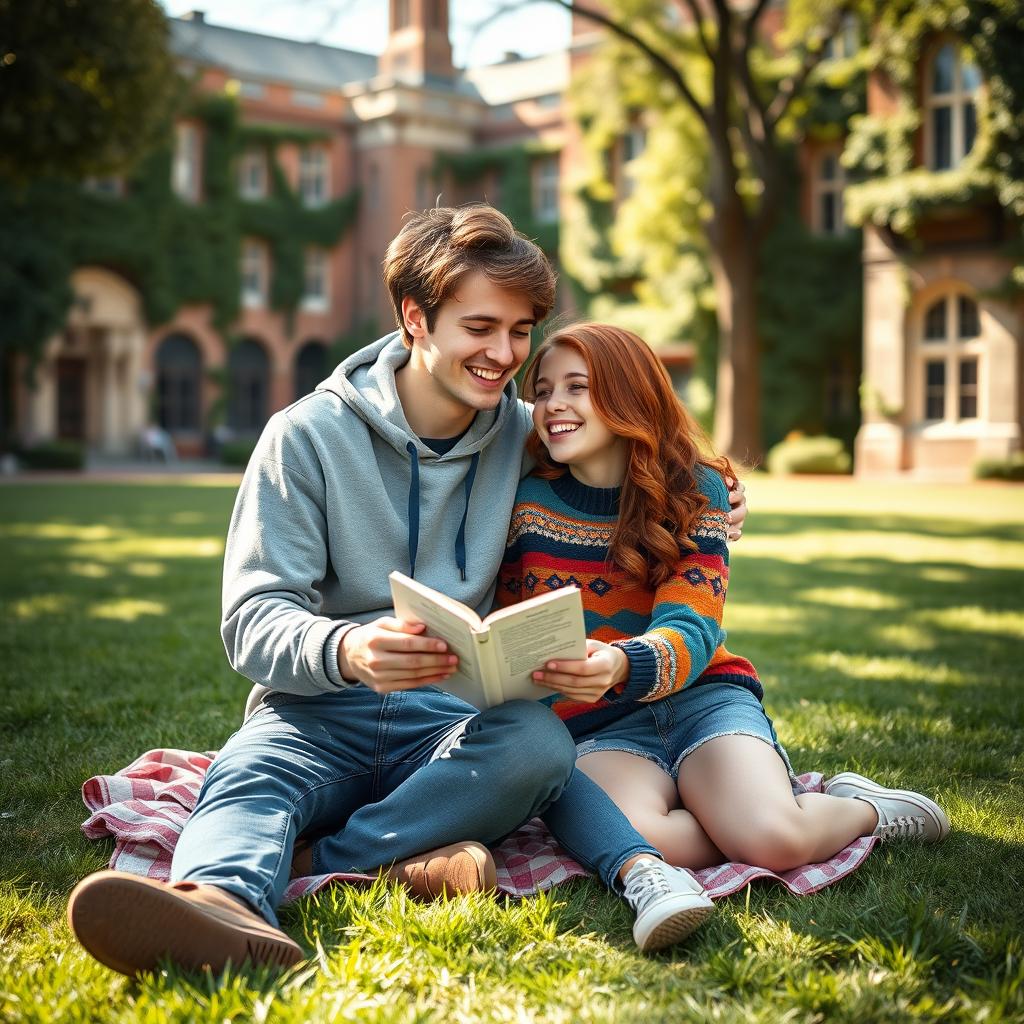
(672, 634)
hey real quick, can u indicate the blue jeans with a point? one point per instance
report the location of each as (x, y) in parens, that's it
(379, 779)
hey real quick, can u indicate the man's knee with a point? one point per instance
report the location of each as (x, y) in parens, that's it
(533, 740)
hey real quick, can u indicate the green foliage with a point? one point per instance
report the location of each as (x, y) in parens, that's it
(881, 150)
(348, 342)
(810, 302)
(85, 87)
(53, 455)
(642, 259)
(1000, 469)
(174, 252)
(237, 453)
(509, 167)
(809, 455)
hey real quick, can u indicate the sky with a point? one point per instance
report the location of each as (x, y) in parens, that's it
(539, 27)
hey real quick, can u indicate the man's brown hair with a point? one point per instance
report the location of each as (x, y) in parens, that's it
(437, 248)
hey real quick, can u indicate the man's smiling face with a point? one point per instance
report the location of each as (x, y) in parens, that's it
(481, 337)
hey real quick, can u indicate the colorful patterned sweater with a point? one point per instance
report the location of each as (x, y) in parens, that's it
(672, 634)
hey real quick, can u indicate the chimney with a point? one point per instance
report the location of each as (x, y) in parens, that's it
(198, 17)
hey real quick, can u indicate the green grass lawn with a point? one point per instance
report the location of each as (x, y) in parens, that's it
(886, 622)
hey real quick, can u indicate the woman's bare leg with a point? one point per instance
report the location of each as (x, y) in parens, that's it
(648, 798)
(738, 789)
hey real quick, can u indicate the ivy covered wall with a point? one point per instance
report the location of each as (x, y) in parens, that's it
(891, 189)
(172, 251)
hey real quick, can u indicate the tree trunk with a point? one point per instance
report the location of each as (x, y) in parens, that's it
(734, 267)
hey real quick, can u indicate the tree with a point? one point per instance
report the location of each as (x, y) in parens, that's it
(713, 62)
(86, 86)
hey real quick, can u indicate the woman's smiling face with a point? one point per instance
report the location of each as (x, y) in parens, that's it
(570, 426)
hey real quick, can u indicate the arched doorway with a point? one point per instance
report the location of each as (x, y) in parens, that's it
(248, 387)
(179, 367)
(310, 367)
(90, 386)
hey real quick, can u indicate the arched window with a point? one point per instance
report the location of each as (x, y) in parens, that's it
(248, 387)
(179, 369)
(310, 367)
(950, 353)
(952, 120)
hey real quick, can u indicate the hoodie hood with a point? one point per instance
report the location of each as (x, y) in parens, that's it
(365, 382)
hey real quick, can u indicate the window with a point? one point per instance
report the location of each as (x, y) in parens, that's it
(178, 379)
(313, 171)
(252, 90)
(968, 396)
(632, 145)
(967, 318)
(935, 322)
(252, 174)
(951, 123)
(310, 367)
(254, 274)
(829, 182)
(549, 100)
(315, 288)
(845, 42)
(401, 10)
(545, 188)
(248, 378)
(185, 168)
(304, 98)
(935, 390)
(951, 353)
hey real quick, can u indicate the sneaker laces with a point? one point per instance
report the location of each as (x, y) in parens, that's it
(646, 884)
(902, 827)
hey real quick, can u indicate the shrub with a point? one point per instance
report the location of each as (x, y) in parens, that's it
(809, 455)
(237, 453)
(53, 455)
(1000, 469)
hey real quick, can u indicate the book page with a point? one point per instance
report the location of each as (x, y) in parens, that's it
(545, 628)
(415, 602)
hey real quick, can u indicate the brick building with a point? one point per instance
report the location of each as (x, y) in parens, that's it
(943, 372)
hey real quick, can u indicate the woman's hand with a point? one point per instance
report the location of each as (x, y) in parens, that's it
(587, 680)
(738, 514)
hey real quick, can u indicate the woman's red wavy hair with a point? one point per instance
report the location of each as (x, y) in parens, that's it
(632, 393)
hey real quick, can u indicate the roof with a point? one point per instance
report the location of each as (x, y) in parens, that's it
(520, 79)
(263, 58)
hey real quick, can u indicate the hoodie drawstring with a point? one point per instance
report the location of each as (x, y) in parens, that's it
(460, 537)
(414, 510)
(414, 507)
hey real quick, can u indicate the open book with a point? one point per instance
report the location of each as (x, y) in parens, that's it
(497, 655)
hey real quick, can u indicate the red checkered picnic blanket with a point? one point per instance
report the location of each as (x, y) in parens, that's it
(144, 806)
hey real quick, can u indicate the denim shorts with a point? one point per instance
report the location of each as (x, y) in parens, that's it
(668, 730)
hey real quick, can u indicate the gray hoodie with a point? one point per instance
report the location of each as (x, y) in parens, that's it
(340, 492)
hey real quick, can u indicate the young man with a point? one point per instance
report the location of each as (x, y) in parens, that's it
(405, 458)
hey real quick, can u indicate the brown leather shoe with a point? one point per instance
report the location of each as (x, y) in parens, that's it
(131, 923)
(449, 871)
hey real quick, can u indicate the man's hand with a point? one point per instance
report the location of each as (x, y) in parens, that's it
(587, 680)
(738, 500)
(389, 654)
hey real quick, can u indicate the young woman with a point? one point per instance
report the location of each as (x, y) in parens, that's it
(625, 505)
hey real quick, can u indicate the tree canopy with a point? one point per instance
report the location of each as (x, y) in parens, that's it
(85, 85)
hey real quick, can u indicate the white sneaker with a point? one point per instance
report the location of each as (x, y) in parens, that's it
(669, 903)
(902, 814)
